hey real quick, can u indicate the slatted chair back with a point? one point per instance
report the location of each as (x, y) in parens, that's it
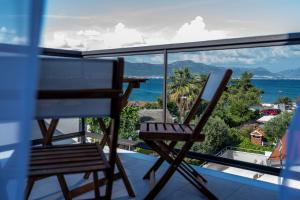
(72, 87)
(210, 93)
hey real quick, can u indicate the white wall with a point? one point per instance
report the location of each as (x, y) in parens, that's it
(246, 157)
(64, 126)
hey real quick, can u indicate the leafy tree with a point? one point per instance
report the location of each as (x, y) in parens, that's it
(217, 136)
(183, 88)
(235, 137)
(128, 125)
(245, 132)
(171, 105)
(93, 125)
(276, 127)
(234, 104)
(129, 122)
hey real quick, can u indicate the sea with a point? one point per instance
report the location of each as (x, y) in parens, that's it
(272, 89)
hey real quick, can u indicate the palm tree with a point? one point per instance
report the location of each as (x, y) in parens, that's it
(284, 100)
(183, 88)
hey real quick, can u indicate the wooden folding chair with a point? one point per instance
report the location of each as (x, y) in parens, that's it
(156, 136)
(72, 88)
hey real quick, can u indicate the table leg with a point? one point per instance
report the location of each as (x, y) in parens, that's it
(122, 173)
(126, 94)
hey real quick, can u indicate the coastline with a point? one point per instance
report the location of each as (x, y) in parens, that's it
(272, 89)
(253, 78)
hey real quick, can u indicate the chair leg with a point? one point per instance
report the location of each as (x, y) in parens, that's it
(166, 176)
(193, 171)
(186, 173)
(64, 187)
(198, 184)
(154, 167)
(109, 173)
(161, 183)
(158, 163)
(96, 184)
(29, 186)
(124, 177)
(184, 165)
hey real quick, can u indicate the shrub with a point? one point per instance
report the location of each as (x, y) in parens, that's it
(245, 132)
(276, 127)
(172, 107)
(144, 151)
(128, 125)
(248, 146)
(152, 105)
(217, 136)
(129, 122)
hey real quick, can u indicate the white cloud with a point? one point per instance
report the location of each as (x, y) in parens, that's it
(3, 29)
(280, 51)
(196, 31)
(19, 40)
(63, 17)
(10, 36)
(61, 39)
(122, 36)
(119, 36)
(250, 56)
(88, 33)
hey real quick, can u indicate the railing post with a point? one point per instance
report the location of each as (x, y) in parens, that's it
(82, 129)
(165, 86)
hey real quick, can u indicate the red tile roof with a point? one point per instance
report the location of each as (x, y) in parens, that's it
(258, 132)
(280, 147)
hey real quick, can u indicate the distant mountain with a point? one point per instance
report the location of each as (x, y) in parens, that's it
(258, 72)
(193, 66)
(156, 70)
(143, 69)
(290, 73)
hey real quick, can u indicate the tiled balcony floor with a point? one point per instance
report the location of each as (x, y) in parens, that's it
(225, 186)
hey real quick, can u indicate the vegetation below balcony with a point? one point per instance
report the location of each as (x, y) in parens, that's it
(226, 125)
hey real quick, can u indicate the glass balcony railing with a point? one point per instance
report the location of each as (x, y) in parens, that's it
(246, 134)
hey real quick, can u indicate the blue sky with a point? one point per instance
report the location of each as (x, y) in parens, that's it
(102, 24)
(13, 21)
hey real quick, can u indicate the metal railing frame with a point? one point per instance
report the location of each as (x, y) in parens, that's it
(224, 44)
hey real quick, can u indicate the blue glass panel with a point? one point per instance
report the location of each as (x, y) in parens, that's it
(19, 37)
(290, 188)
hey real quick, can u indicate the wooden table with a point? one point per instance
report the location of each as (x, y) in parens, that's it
(48, 137)
(133, 82)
